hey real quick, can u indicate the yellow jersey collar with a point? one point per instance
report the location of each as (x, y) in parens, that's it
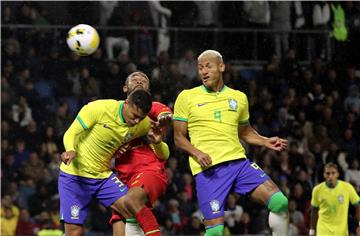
(121, 116)
(211, 91)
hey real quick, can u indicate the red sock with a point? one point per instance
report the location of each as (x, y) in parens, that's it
(147, 222)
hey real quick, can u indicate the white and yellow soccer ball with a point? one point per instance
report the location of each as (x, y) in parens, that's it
(83, 39)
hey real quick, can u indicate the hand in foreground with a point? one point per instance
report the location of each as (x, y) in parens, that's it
(165, 119)
(203, 159)
(154, 135)
(276, 143)
(67, 157)
(162, 121)
(124, 148)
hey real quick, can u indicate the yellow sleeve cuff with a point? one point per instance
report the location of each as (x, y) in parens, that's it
(161, 150)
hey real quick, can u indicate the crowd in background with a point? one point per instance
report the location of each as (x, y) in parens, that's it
(316, 107)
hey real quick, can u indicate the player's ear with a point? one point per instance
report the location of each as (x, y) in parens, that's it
(222, 67)
(125, 89)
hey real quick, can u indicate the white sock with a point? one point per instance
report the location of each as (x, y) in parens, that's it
(279, 223)
(133, 229)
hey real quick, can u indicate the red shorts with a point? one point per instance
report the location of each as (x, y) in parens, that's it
(154, 185)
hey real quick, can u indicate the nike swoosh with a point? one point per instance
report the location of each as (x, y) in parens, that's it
(262, 175)
(201, 104)
(106, 126)
(122, 189)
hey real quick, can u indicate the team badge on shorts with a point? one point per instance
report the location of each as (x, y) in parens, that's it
(341, 198)
(75, 210)
(215, 206)
(233, 105)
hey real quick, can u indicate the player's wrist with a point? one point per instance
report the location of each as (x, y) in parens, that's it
(312, 232)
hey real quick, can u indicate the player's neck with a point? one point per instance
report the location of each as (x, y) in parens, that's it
(330, 185)
(217, 88)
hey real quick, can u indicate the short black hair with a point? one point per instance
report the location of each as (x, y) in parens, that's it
(141, 99)
(331, 165)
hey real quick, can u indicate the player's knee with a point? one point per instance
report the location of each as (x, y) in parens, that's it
(278, 203)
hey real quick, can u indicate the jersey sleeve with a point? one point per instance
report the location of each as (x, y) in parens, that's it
(354, 197)
(244, 112)
(86, 118)
(90, 114)
(314, 198)
(158, 109)
(181, 108)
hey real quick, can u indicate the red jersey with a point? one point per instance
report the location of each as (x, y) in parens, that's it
(141, 157)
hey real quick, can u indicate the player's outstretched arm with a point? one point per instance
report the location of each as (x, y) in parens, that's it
(251, 136)
(181, 141)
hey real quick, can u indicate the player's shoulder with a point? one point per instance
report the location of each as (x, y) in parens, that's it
(235, 92)
(319, 186)
(344, 184)
(156, 105)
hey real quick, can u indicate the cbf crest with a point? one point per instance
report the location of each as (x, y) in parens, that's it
(215, 206)
(341, 198)
(75, 210)
(233, 104)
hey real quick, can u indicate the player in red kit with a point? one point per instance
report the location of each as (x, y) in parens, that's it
(140, 164)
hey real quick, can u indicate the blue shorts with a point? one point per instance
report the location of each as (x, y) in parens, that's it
(214, 185)
(77, 192)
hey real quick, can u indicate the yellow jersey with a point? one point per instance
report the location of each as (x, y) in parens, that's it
(333, 204)
(213, 119)
(97, 132)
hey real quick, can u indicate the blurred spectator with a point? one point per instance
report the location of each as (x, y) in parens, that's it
(352, 101)
(207, 17)
(25, 226)
(22, 112)
(168, 228)
(8, 222)
(160, 16)
(26, 190)
(195, 227)
(297, 217)
(258, 13)
(178, 219)
(348, 143)
(188, 67)
(281, 22)
(33, 167)
(321, 19)
(233, 214)
(62, 120)
(115, 38)
(7, 203)
(352, 175)
(21, 153)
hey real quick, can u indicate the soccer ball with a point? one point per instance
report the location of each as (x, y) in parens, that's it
(83, 39)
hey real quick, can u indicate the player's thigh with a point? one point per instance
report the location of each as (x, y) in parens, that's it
(76, 194)
(264, 191)
(73, 230)
(213, 186)
(153, 184)
(112, 194)
(255, 182)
